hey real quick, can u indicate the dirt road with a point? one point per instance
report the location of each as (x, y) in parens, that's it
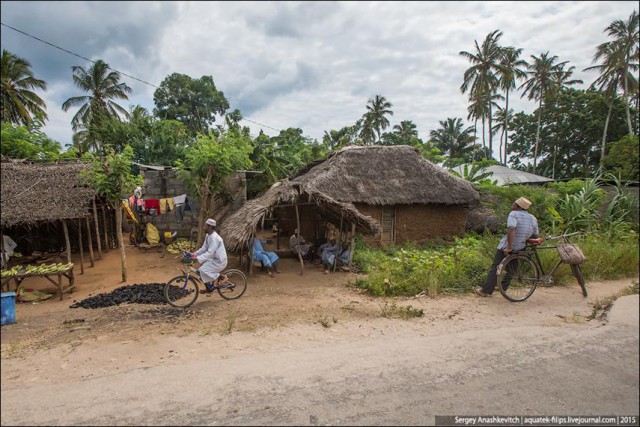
(319, 353)
(381, 373)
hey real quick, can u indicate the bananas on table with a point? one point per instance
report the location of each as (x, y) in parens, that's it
(34, 270)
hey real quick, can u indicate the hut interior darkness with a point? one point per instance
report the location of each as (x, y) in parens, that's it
(46, 209)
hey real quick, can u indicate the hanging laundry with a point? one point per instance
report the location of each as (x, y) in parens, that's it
(180, 200)
(152, 206)
(166, 205)
(140, 205)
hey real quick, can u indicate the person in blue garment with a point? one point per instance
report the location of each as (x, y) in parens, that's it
(268, 259)
(341, 252)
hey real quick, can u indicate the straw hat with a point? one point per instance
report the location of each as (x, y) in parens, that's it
(523, 202)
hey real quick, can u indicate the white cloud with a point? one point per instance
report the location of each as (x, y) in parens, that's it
(311, 65)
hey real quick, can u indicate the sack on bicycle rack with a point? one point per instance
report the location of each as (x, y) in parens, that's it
(570, 253)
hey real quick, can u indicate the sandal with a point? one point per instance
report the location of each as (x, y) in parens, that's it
(270, 274)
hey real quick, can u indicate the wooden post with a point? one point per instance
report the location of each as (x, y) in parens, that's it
(335, 260)
(80, 244)
(104, 228)
(353, 242)
(250, 242)
(95, 219)
(89, 242)
(66, 239)
(5, 260)
(298, 240)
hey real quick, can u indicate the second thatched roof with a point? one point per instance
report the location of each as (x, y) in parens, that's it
(237, 228)
(385, 175)
(33, 193)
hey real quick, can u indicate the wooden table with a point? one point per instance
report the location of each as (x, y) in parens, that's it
(59, 283)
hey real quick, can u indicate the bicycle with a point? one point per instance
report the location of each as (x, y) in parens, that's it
(182, 291)
(521, 272)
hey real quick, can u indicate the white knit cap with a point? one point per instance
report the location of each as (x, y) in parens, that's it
(211, 222)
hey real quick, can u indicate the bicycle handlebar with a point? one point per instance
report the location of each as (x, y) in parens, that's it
(562, 236)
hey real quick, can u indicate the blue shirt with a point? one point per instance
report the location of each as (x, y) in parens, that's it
(526, 225)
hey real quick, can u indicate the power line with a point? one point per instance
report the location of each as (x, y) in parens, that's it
(75, 54)
(113, 69)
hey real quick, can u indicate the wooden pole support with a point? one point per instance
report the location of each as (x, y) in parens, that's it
(80, 244)
(66, 239)
(95, 220)
(89, 242)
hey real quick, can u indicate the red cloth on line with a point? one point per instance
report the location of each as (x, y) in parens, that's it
(152, 204)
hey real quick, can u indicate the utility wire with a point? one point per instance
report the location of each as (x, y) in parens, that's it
(113, 69)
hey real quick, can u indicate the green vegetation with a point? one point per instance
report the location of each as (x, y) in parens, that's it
(610, 243)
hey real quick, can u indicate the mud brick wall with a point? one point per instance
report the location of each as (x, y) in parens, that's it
(163, 184)
(421, 223)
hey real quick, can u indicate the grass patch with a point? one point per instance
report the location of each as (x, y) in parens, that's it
(460, 266)
(601, 307)
(394, 311)
(327, 321)
(231, 322)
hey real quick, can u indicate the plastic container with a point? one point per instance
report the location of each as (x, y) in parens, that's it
(8, 308)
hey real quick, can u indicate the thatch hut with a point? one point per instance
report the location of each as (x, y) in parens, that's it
(412, 198)
(42, 202)
(298, 201)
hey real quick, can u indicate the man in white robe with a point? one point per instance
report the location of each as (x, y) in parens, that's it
(212, 256)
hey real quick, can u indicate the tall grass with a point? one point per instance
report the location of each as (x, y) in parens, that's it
(463, 265)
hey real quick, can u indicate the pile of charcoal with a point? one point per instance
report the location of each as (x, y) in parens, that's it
(145, 293)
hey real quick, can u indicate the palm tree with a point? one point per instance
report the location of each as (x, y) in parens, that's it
(481, 77)
(19, 104)
(452, 138)
(406, 129)
(377, 109)
(367, 132)
(611, 76)
(509, 71)
(540, 86)
(501, 119)
(103, 86)
(624, 47)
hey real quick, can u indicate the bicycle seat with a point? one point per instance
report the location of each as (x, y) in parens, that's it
(534, 242)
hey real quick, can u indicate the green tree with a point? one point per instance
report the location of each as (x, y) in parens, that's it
(208, 162)
(28, 142)
(20, 105)
(103, 87)
(112, 178)
(625, 47)
(481, 78)
(541, 86)
(453, 138)
(510, 69)
(194, 102)
(377, 110)
(623, 158)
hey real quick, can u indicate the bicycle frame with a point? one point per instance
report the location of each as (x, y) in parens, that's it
(532, 252)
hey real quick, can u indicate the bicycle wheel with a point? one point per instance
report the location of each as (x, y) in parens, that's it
(517, 277)
(577, 271)
(235, 286)
(181, 291)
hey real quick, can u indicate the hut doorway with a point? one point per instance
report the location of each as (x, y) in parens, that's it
(388, 223)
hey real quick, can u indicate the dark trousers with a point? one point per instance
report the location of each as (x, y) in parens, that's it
(492, 277)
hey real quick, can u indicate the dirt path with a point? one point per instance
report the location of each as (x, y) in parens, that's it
(282, 311)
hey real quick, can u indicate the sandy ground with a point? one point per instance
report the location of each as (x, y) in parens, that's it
(50, 341)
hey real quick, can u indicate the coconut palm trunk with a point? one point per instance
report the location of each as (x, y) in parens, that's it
(604, 134)
(506, 126)
(626, 96)
(535, 151)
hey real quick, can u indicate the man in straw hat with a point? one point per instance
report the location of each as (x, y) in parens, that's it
(212, 256)
(521, 225)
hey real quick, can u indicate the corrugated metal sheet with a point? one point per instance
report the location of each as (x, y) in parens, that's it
(506, 176)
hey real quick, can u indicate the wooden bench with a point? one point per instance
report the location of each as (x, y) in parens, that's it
(59, 283)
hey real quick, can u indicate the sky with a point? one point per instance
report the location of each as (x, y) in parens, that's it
(308, 65)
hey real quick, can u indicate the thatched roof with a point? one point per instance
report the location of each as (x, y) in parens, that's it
(237, 228)
(33, 193)
(385, 175)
